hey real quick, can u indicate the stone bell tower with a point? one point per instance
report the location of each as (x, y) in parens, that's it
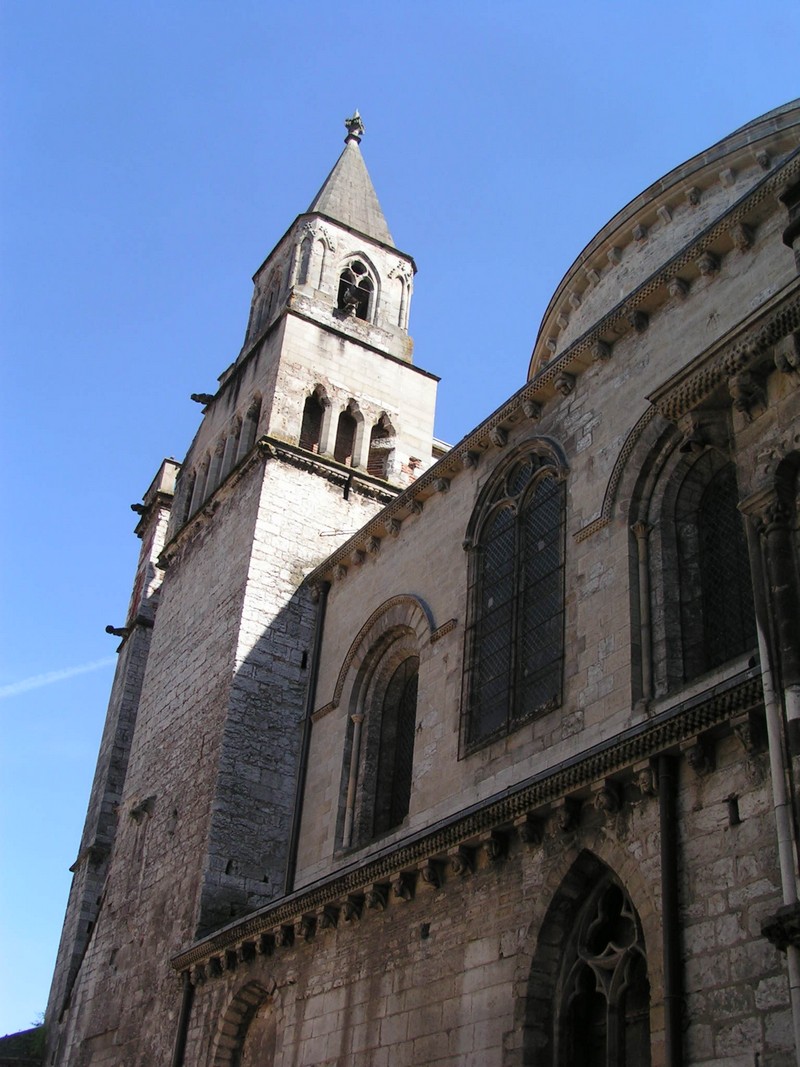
(318, 423)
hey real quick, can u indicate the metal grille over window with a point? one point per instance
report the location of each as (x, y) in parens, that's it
(516, 636)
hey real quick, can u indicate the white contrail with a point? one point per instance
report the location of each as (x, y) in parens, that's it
(38, 680)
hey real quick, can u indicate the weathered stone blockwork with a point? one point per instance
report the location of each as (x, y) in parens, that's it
(484, 758)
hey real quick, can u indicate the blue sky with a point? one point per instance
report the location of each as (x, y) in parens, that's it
(154, 153)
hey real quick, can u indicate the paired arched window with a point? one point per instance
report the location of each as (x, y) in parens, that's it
(356, 289)
(515, 636)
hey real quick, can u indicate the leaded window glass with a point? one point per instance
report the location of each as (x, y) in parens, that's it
(515, 641)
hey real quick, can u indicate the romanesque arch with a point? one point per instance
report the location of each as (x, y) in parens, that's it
(247, 1032)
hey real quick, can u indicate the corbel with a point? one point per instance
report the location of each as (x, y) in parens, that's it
(644, 776)
(564, 816)
(750, 731)
(430, 873)
(787, 354)
(532, 410)
(747, 393)
(704, 429)
(352, 907)
(638, 320)
(564, 382)
(377, 896)
(498, 436)
(305, 928)
(283, 936)
(699, 753)
(495, 845)
(678, 288)
(607, 796)
(392, 527)
(601, 351)
(707, 264)
(469, 459)
(462, 861)
(340, 572)
(403, 886)
(230, 960)
(245, 951)
(742, 236)
(529, 829)
(327, 917)
(415, 507)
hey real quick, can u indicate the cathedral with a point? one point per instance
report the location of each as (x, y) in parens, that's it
(470, 756)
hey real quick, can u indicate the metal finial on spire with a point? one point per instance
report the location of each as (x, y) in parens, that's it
(355, 128)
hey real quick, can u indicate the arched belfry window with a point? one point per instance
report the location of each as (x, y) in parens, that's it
(515, 634)
(356, 289)
(314, 417)
(381, 448)
(347, 446)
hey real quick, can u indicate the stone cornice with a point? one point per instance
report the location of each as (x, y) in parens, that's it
(715, 240)
(434, 845)
(740, 349)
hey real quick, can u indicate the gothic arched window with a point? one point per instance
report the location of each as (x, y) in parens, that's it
(355, 291)
(515, 637)
(311, 427)
(347, 446)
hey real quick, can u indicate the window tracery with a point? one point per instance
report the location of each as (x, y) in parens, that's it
(515, 637)
(356, 289)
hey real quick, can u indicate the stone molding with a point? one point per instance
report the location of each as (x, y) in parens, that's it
(515, 808)
(717, 234)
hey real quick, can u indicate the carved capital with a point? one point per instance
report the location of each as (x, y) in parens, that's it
(564, 382)
(641, 530)
(767, 510)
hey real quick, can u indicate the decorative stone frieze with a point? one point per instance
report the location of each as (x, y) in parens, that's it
(564, 382)
(443, 630)
(707, 263)
(498, 437)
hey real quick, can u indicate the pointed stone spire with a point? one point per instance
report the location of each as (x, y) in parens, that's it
(348, 195)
